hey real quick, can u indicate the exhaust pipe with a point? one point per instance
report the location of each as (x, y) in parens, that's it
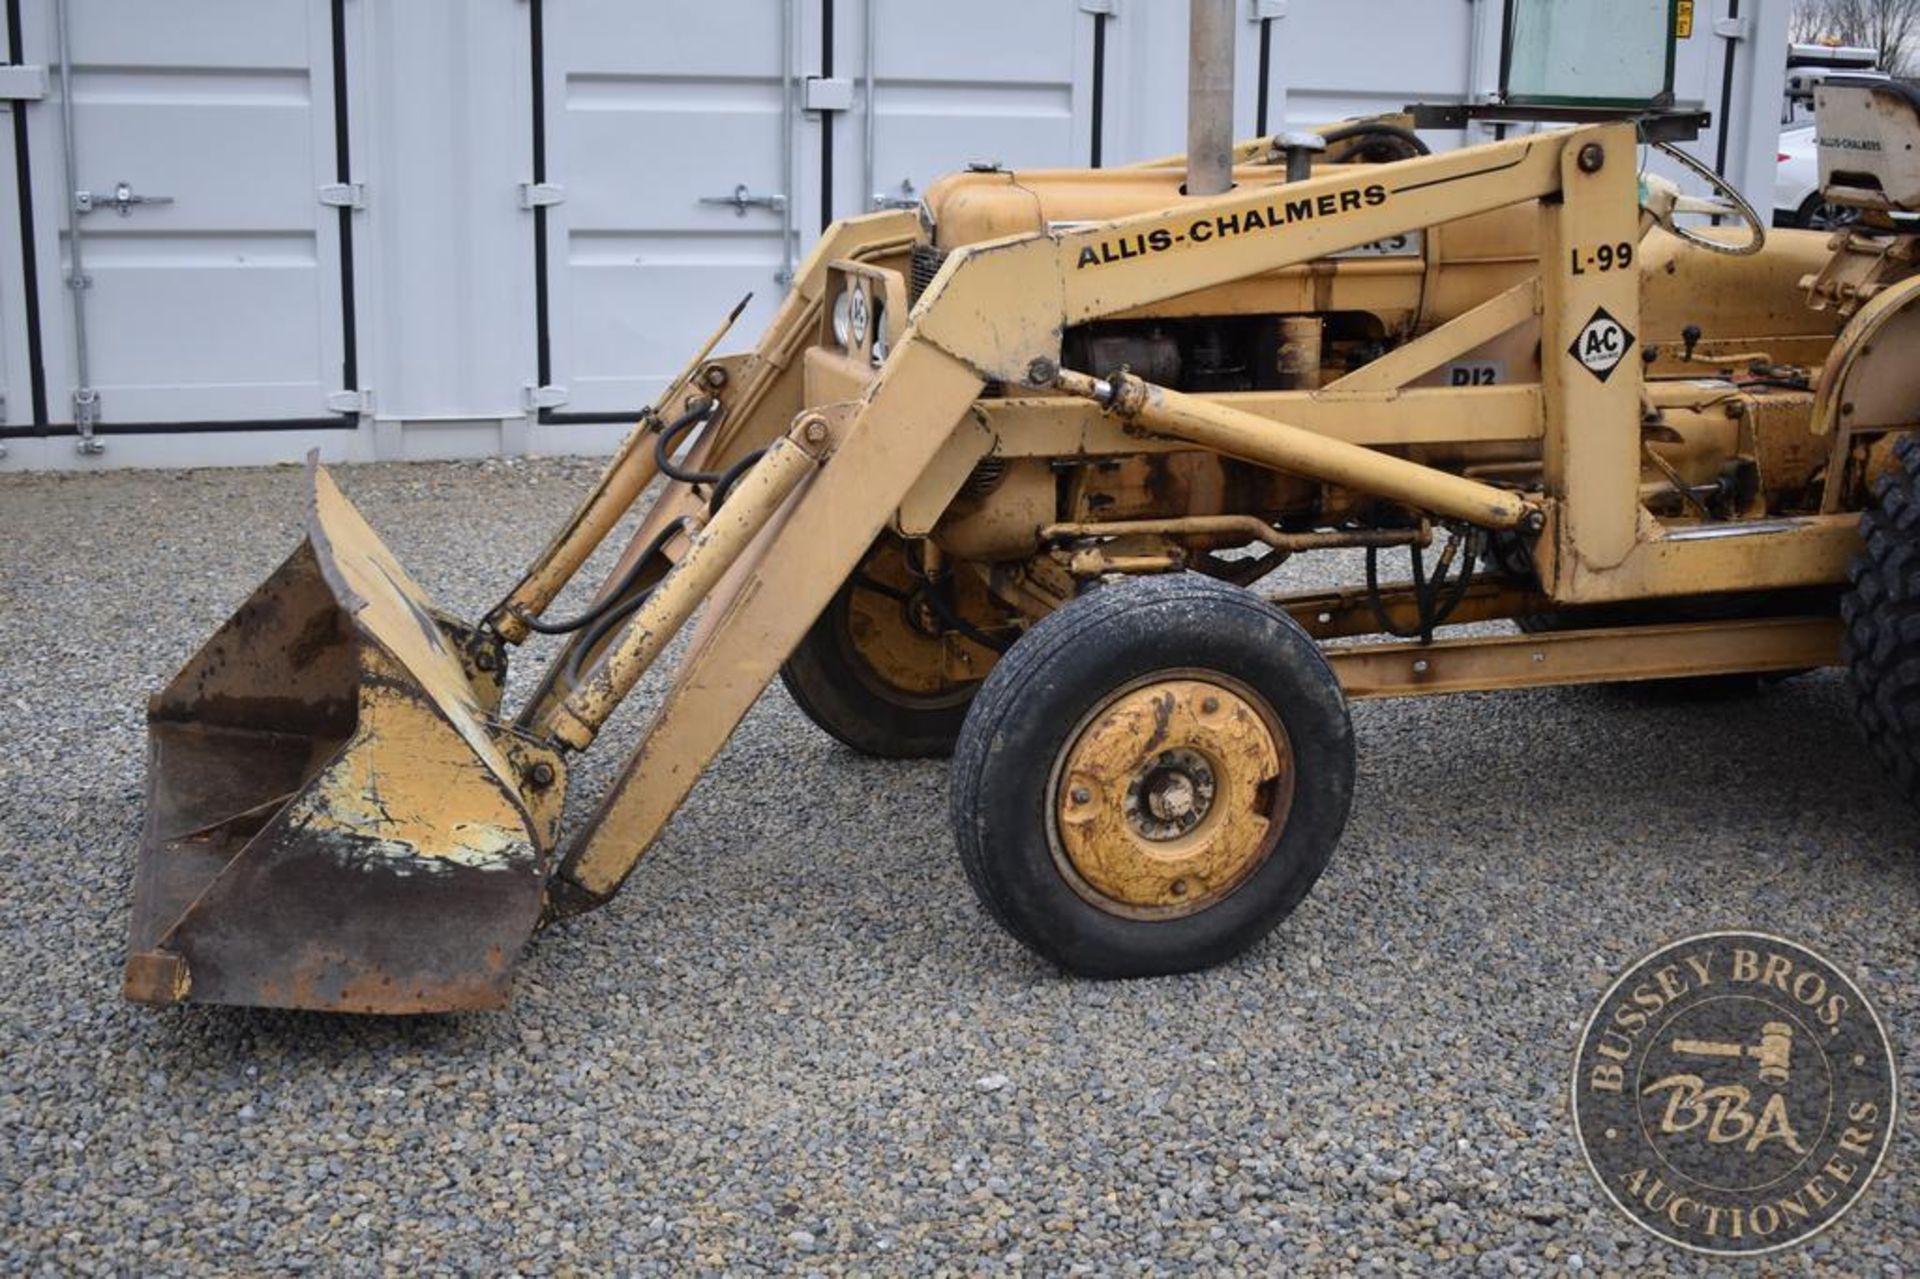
(1210, 96)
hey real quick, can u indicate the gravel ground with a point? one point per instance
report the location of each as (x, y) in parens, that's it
(797, 1043)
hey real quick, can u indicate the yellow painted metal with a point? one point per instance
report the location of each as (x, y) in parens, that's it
(1294, 449)
(1449, 341)
(1593, 421)
(1612, 655)
(332, 820)
(406, 768)
(1872, 380)
(1170, 795)
(1059, 426)
(625, 476)
(1691, 558)
(768, 600)
(761, 393)
(747, 509)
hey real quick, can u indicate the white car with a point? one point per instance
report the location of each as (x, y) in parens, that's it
(1796, 185)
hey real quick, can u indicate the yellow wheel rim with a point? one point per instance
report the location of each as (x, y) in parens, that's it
(1170, 794)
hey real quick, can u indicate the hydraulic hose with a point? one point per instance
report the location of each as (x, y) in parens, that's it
(600, 610)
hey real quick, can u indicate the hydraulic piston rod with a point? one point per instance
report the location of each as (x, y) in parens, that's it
(1302, 452)
(753, 502)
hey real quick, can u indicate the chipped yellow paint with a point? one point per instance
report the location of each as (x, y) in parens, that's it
(407, 792)
(392, 610)
(1113, 762)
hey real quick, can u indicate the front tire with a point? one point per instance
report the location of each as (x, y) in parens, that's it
(1881, 613)
(1152, 778)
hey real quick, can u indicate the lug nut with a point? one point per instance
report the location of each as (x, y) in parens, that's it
(1208, 705)
(1081, 795)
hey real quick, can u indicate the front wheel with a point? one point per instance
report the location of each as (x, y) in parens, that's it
(1152, 778)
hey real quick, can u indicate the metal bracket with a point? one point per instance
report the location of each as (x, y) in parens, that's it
(344, 195)
(827, 93)
(540, 195)
(909, 197)
(1733, 28)
(86, 412)
(534, 398)
(23, 84)
(358, 402)
(1110, 8)
(1261, 10)
(743, 199)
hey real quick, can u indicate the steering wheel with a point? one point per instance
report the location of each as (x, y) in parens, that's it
(1664, 201)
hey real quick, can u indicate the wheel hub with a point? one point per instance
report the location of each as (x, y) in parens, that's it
(1170, 795)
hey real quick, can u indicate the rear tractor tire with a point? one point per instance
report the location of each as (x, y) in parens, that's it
(1881, 613)
(1152, 778)
(876, 673)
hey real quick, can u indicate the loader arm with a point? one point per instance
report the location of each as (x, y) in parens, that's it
(994, 312)
(340, 826)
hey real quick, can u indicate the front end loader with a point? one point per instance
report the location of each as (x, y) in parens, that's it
(1011, 478)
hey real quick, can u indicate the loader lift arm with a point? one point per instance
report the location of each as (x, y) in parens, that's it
(996, 312)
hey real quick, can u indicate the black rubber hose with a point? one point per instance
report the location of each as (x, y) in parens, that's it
(606, 605)
(954, 622)
(1362, 129)
(1434, 600)
(724, 482)
(701, 411)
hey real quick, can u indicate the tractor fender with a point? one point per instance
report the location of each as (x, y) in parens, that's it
(1872, 377)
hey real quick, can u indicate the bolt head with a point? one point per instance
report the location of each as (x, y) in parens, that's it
(1592, 157)
(713, 376)
(1042, 372)
(541, 774)
(815, 431)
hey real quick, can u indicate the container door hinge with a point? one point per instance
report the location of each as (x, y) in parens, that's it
(1261, 10)
(86, 413)
(1110, 8)
(1733, 28)
(534, 398)
(23, 84)
(344, 195)
(828, 93)
(539, 195)
(355, 402)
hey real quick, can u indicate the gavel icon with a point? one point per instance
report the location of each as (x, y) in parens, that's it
(1774, 1052)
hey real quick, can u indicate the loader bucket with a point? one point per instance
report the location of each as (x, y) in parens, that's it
(332, 820)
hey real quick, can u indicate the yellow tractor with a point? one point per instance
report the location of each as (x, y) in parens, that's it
(1014, 477)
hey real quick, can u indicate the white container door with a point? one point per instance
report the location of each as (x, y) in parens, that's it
(204, 131)
(16, 396)
(668, 148)
(992, 81)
